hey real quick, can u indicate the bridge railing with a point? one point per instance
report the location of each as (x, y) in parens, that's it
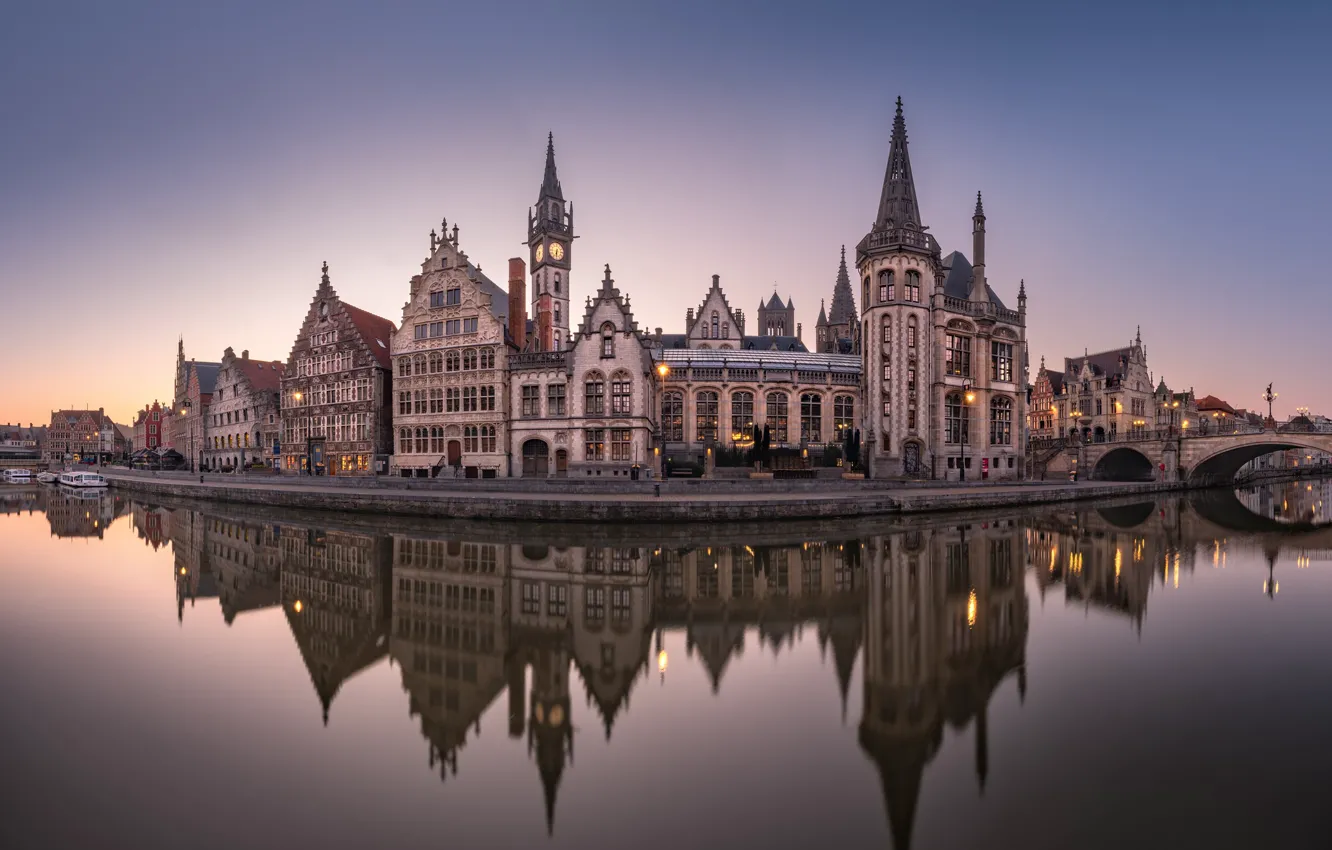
(1146, 435)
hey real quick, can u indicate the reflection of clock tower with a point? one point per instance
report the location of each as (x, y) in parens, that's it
(550, 236)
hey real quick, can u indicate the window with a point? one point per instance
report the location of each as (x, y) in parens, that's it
(957, 423)
(957, 357)
(844, 414)
(436, 440)
(451, 327)
(437, 299)
(594, 599)
(452, 361)
(487, 398)
(619, 605)
(531, 400)
(452, 400)
(594, 444)
(404, 441)
(864, 292)
(742, 412)
(487, 358)
(555, 400)
(422, 436)
(437, 400)
(469, 359)
(911, 418)
(672, 417)
(726, 331)
(1098, 407)
(531, 597)
(1001, 422)
(469, 396)
(405, 367)
(594, 395)
(811, 418)
(886, 286)
(911, 333)
(436, 329)
(469, 325)
(608, 340)
(620, 395)
(620, 444)
(420, 331)
(912, 286)
(911, 379)
(419, 364)
(715, 326)
(454, 297)
(778, 416)
(405, 403)
(1001, 361)
(471, 441)
(557, 599)
(705, 416)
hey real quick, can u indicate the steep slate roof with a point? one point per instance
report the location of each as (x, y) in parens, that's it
(1110, 364)
(375, 330)
(843, 303)
(499, 298)
(207, 373)
(747, 343)
(774, 303)
(1056, 380)
(897, 203)
(261, 374)
(958, 282)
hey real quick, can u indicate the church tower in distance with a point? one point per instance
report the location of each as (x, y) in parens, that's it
(550, 237)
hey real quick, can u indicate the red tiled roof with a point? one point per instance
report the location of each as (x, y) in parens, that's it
(263, 375)
(377, 332)
(1211, 402)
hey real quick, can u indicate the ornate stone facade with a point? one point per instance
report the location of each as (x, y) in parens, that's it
(242, 419)
(336, 389)
(450, 361)
(944, 359)
(1097, 397)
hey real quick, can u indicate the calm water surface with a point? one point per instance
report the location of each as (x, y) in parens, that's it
(1118, 675)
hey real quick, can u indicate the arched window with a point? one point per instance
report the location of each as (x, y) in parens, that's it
(419, 364)
(451, 361)
(957, 420)
(557, 306)
(1001, 421)
(672, 417)
(422, 438)
(594, 394)
(557, 292)
(778, 417)
(705, 416)
(716, 326)
(811, 418)
(911, 334)
(887, 288)
(470, 442)
(912, 286)
(436, 363)
(405, 367)
(742, 413)
(487, 358)
(726, 332)
(844, 414)
(469, 359)
(864, 295)
(554, 211)
(620, 394)
(436, 441)
(608, 340)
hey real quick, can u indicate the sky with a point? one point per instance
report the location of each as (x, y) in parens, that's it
(182, 170)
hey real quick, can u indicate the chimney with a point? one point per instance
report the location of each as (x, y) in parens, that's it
(518, 302)
(245, 355)
(689, 319)
(798, 332)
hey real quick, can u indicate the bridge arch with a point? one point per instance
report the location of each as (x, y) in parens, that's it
(1221, 465)
(1124, 464)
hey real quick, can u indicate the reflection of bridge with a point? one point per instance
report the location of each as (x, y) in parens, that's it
(1206, 459)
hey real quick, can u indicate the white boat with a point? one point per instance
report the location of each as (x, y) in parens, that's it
(82, 479)
(18, 476)
(47, 477)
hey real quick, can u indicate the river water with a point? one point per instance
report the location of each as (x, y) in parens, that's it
(1102, 675)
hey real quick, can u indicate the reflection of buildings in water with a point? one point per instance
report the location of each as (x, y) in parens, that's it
(20, 500)
(193, 574)
(1307, 501)
(152, 524)
(946, 622)
(82, 513)
(335, 589)
(714, 593)
(246, 560)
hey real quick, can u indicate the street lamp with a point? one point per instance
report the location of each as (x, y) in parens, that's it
(1269, 397)
(968, 396)
(1170, 406)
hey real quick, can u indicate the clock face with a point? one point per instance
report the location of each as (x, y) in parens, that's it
(540, 250)
(556, 251)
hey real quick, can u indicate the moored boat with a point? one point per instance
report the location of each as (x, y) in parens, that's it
(82, 479)
(47, 477)
(18, 476)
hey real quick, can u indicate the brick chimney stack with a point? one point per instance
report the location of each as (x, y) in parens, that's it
(518, 302)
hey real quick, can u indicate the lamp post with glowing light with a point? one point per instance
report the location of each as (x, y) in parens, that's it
(1269, 397)
(968, 396)
(1170, 407)
(663, 370)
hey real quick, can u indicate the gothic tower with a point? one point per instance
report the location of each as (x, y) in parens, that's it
(550, 236)
(901, 272)
(837, 329)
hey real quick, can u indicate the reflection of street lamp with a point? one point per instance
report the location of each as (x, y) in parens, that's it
(968, 396)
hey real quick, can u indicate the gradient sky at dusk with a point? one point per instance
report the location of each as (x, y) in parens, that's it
(183, 169)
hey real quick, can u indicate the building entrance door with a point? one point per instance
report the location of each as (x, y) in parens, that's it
(561, 462)
(455, 453)
(536, 458)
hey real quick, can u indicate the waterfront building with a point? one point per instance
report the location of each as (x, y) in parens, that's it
(336, 390)
(193, 393)
(148, 427)
(243, 415)
(1174, 411)
(589, 409)
(450, 361)
(550, 235)
(956, 409)
(1096, 397)
(21, 443)
(76, 436)
(714, 326)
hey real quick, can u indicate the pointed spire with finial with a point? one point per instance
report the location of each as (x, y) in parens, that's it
(324, 277)
(897, 202)
(843, 301)
(980, 210)
(550, 181)
(823, 318)
(1137, 340)
(607, 282)
(455, 234)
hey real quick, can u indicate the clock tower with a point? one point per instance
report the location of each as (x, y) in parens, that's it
(550, 237)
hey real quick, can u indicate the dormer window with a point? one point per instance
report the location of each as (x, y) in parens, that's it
(608, 340)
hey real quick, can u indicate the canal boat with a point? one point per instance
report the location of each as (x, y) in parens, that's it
(82, 479)
(47, 477)
(18, 476)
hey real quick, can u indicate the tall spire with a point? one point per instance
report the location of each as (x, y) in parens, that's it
(843, 302)
(550, 183)
(897, 203)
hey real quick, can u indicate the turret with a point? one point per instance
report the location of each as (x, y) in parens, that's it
(978, 290)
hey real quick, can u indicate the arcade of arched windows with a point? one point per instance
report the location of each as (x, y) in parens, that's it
(793, 415)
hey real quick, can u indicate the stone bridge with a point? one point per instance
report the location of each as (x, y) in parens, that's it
(1200, 460)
